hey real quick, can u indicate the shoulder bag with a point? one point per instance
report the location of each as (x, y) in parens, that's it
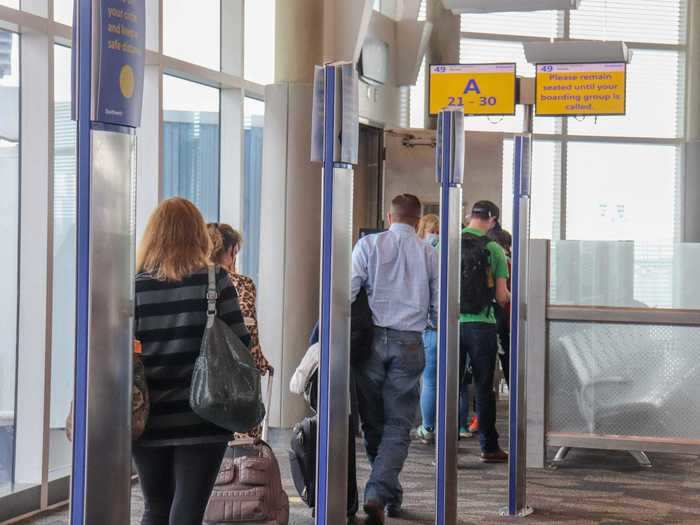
(225, 383)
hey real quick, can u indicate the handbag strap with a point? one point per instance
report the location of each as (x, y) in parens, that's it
(212, 296)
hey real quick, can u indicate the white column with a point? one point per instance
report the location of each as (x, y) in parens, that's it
(34, 334)
(289, 241)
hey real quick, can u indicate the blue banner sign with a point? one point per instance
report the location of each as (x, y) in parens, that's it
(118, 58)
(119, 75)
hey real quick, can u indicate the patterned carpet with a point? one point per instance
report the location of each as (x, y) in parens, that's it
(591, 487)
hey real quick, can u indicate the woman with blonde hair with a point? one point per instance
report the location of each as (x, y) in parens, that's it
(429, 229)
(179, 454)
(226, 244)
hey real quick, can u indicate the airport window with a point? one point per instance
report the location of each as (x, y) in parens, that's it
(259, 56)
(656, 72)
(191, 144)
(639, 200)
(192, 31)
(650, 21)
(254, 118)
(656, 34)
(417, 111)
(179, 154)
(9, 233)
(63, 11)
(538, 23)
(64, 249)
(423, 10)
(546, 161)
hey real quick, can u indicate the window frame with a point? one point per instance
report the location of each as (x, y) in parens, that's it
(35, 20)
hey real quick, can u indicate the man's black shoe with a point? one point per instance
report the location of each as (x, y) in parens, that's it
(393, 511)
(375, 512)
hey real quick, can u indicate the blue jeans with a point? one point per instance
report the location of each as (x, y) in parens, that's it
(428, 395)
(388, 392)
(478, 341)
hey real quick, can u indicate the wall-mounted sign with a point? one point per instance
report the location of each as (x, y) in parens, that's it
(581, 89)
(118, 59)
(483, 89)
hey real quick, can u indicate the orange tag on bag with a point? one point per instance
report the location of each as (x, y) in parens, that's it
(137, 346)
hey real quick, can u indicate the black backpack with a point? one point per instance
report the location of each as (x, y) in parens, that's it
(478, 291)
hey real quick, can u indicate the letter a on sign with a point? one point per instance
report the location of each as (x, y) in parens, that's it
(472, 86)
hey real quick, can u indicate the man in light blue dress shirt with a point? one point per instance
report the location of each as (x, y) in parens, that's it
(400, 274)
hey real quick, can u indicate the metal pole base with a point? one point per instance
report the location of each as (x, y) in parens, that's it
(522, 513)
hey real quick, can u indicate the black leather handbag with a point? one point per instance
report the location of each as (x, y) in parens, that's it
(225, 383)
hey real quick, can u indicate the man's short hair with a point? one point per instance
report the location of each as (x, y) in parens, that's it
(406, 207)
(486, 210)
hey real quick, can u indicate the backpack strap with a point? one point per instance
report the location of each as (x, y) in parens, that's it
(212, 296)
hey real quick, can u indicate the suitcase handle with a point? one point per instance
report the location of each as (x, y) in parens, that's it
(268, 402)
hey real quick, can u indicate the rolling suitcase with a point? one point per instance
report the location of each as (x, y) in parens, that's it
(249, 488)
(302, 460)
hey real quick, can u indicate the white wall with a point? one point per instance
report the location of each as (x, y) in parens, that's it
(412, 169)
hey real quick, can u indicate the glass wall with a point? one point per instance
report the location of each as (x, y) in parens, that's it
(191, 144)
(64, 249)
(254, 119)
(9, 233)
(634, 376)
(179, 153)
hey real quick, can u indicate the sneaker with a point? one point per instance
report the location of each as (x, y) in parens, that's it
(425, 435)
(375, 512)
(393, 511)
(497, 456)
(464, 433)
(474, 425)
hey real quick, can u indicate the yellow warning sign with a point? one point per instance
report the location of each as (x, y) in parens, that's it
(483, 89)
(581, 89)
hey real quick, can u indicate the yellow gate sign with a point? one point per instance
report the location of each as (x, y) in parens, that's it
(483, 89)
(581, 89)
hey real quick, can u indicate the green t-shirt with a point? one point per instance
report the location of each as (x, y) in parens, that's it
(499, 267)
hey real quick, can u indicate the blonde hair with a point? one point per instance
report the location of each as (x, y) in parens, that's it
(175, 243)
(429, 223)
(223, 238)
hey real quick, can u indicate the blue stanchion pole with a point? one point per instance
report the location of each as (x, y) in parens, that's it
(84, 94)
(514, 451)
(325, 322)
(441, 448)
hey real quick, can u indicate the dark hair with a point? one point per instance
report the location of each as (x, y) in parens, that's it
(406, 207)
(501, 236)
(486, 210)
(223, 238)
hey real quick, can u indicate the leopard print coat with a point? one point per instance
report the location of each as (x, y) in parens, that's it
(245, 287)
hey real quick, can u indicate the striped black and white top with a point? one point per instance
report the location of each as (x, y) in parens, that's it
(170, 321)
